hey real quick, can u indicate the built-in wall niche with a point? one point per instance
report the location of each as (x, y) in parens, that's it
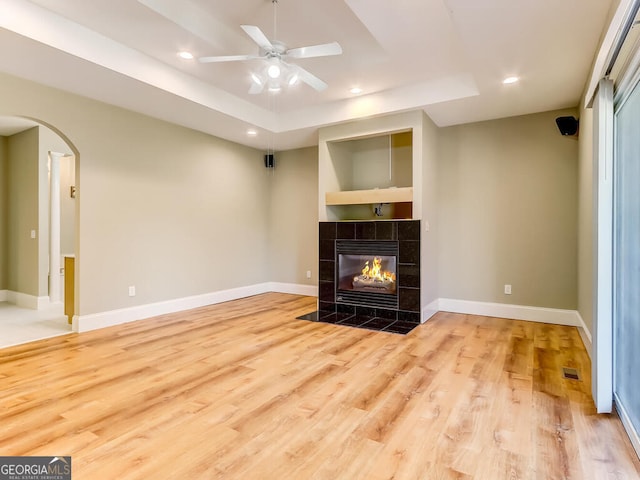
(374, 162)
(373, 177)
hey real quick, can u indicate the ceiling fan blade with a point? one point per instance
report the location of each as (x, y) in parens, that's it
(255, 88)
(257, 36)
(225, 58)
(323, 50)
(309, 78)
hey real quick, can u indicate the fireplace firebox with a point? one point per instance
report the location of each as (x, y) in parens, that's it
(366, 273)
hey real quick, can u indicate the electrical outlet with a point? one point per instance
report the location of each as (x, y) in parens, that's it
(507, 289)
(33, 234)
(308, 273)
(132, 291)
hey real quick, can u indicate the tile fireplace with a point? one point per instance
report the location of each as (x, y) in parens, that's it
(370, 274)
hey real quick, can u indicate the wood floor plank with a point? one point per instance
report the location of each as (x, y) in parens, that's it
(243, 390)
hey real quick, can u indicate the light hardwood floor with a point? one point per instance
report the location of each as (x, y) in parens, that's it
(243, 390)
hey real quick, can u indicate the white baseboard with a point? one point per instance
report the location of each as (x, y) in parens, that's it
(294, 288)
(517, 312)
(430, 310)
(628, 425)
(44, 303)
(85, 323)
(23, 300)
(585, 335)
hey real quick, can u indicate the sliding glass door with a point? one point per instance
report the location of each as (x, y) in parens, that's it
(626, 284)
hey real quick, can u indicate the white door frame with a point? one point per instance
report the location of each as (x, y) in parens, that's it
(602, 364)
(54, 227)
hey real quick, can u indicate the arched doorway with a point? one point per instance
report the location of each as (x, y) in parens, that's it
(34, 157)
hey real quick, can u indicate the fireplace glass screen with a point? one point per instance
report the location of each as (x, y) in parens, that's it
(367, 273)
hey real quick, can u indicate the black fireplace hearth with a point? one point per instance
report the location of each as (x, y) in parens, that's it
(362, 321)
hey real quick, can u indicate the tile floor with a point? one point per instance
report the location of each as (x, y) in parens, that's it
(22, 325)
(360, 321)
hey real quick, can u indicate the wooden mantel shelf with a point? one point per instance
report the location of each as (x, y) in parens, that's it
(378, 195)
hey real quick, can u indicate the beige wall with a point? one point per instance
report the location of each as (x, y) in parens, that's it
(177, 213)
(508, 212)
(167, 209)
(381, 162)
(4, 185)
(22, 213)
(431, 204)
(585, 219)
(67, 205)
(293, 217)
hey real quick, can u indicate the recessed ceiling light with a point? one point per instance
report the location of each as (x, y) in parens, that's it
(251, 132)
(185, 55)
(355, 90)
(510, 80)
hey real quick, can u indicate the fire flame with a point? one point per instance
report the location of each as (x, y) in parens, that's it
(375, 271)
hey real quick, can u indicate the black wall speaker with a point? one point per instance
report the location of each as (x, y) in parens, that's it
(567, 125)
(269, 160)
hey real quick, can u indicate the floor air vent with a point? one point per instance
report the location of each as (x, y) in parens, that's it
(570, 373)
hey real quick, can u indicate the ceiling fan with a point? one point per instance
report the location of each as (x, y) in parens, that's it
(275, 53)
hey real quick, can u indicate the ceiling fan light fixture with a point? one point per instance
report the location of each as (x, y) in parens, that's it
(256, 79)
(276, 73)
(274, 87)
(293, 79)
(185, 55)
(273, 71)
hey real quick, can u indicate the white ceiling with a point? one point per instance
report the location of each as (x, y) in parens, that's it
(447, 57)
